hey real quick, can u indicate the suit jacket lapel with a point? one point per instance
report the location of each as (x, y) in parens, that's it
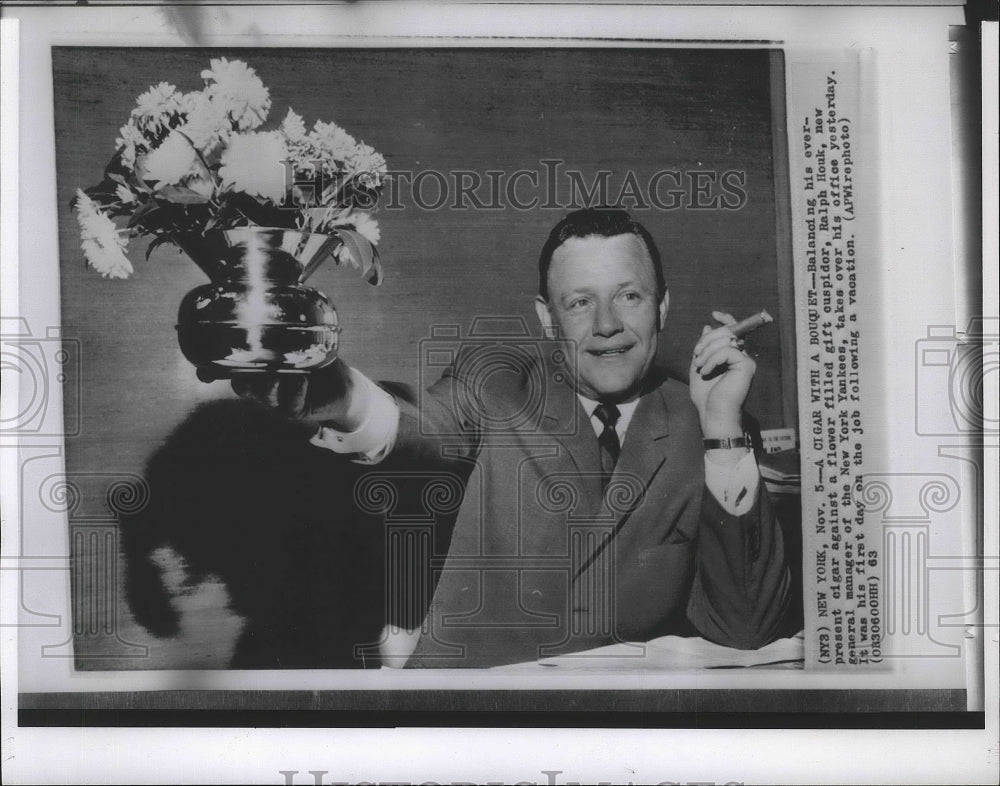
(566, 421)
(643, 454)
(644, 449)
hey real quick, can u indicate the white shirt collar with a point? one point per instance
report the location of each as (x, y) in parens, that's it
(627, 411)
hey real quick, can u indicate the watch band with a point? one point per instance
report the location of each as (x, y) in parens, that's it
(728, 443)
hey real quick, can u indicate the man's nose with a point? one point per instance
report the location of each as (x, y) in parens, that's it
(606, 320)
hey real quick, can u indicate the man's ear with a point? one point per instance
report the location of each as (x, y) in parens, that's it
(664, 305)
(544, 316)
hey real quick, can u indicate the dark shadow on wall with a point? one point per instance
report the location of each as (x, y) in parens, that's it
(239, 493)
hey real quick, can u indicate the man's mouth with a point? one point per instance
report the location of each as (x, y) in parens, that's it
(610, 351)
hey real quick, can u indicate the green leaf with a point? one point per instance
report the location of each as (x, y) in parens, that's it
(263, 214)
(159, 240)
(139, 185)
(375, 277)
(103, 193)
(143, 213)
(363, 255)
(358, 248)
(181, 195)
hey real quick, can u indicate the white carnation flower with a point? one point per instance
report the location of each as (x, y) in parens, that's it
(365, 159)
(154, 107)
(102, 243)
(130, 141)
(367, 227)
(294, 127)
(207, 122)
(333, 141)
(236, 87)
(253, 163)
(171, 162)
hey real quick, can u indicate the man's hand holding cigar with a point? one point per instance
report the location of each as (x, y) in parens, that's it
(720, 377)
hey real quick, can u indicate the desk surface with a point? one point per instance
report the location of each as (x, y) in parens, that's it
(672, 653)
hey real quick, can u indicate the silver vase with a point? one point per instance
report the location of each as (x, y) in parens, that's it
(257, 316)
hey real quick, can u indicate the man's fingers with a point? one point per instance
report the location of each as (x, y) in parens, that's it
(268, 393)
(292, 395)
(707, 332)
(727, 356)
(240, 387)
(711, 335)
(711, 361)
(711, 343)
(263, 389)
(320, 395)
(247, 386)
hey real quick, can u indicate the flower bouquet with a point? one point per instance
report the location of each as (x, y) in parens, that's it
(258, 210)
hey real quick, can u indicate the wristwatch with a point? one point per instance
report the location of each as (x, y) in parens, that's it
(728, 443)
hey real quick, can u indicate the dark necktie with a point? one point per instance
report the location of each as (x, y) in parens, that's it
(608, 414)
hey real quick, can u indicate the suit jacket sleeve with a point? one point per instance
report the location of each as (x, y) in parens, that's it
(741, 585)
(442, 428)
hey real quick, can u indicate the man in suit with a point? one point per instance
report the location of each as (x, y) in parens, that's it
(604, 501)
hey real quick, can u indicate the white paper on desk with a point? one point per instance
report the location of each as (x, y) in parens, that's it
(677, 652)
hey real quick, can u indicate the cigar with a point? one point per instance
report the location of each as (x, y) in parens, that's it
(751, 323)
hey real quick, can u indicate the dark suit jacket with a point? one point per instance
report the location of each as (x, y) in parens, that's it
(540, 564)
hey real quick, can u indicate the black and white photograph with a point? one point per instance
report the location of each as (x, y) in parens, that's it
(292, 549)
(524, 370)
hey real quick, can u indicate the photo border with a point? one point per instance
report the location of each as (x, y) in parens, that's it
(87, 703)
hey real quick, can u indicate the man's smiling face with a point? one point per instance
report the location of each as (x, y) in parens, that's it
(602, 295)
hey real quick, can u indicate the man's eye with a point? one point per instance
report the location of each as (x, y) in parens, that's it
(579, 303)
(631, 297)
